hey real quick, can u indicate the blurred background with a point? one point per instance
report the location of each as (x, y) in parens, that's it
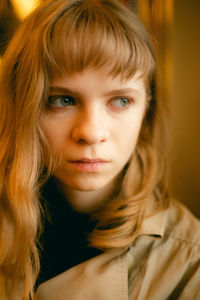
(175, 27)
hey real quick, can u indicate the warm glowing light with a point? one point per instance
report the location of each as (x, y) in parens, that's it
(24, 7)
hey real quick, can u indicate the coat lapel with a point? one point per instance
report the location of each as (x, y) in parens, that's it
(104, 277)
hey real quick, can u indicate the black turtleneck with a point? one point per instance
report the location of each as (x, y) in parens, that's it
(64, 239)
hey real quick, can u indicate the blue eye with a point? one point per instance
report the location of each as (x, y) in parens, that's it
(61, 101)
(120, 102)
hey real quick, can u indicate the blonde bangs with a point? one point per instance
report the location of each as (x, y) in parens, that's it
(91, 36)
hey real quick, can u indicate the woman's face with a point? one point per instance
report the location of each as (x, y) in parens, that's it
(93, 122)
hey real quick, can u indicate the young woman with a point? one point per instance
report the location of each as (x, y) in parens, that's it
(85, 213)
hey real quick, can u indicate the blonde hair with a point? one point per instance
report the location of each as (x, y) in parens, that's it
(61, 37)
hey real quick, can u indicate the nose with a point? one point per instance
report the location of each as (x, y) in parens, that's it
(90, 128)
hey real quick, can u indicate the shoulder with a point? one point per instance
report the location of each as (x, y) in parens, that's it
(182, 225)
(180, 238)
(167, 265)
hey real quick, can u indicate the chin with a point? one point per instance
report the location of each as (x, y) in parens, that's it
(84, 184)
(86, 187)
(90, 186)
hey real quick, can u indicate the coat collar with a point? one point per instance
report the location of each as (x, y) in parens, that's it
(154, 224)
(155, 216)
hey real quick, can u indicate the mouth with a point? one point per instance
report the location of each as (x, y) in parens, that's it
(89, 165)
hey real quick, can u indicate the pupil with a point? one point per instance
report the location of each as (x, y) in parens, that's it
(66, 101)
(124, 101)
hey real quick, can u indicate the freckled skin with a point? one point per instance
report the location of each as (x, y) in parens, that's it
(100, 118)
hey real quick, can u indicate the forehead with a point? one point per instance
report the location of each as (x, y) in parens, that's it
(98, 81)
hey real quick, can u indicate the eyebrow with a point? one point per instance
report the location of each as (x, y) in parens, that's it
(61, 89)
(121, 91)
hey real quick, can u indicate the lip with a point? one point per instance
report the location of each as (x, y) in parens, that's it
(89, 165)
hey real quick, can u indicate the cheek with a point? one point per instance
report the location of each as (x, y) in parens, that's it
(127, 137)
(54, 131)
(128, 132)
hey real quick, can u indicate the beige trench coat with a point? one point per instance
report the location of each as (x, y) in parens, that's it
(162, 263)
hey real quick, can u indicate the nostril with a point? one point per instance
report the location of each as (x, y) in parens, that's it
(81, 141)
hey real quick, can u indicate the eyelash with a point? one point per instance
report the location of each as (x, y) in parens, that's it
(71, 102)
